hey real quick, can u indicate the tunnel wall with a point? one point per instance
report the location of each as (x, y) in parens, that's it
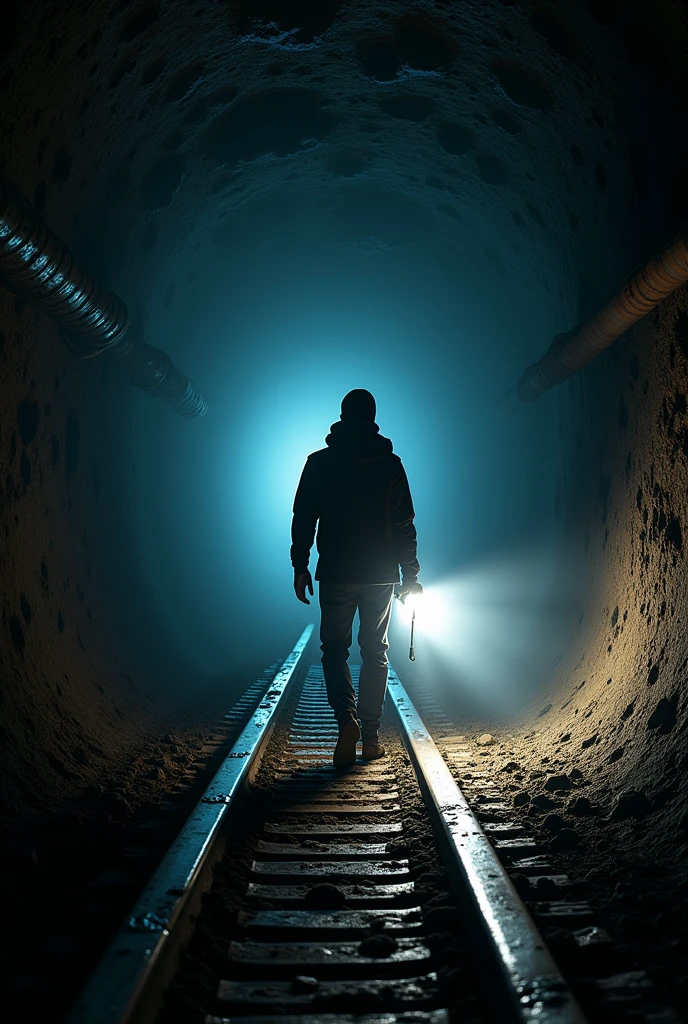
(57, 662)
(87, 669)
(616, 708)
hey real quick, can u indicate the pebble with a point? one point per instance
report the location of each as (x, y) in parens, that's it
(485, 740)
(555, 782)
(554, 823)
(546, 889)
(521, 798)
(324, 897)
(581, 807)
(116, 805)
(631, 804)
(545, 803)
(522, 885)
(380, 945)
(304, 983)
(591, 936)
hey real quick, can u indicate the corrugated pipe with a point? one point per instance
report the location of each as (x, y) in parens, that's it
(570, 352)
(38, 266)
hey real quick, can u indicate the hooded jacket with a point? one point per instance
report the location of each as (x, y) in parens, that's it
(357, 492)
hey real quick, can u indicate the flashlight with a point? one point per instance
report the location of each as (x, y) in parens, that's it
(409, 599)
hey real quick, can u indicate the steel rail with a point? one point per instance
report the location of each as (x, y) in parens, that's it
(115, 993)
(524, 979)
(644, 289)
(38, 266)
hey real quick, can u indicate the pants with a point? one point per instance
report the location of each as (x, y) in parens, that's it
(338, 604)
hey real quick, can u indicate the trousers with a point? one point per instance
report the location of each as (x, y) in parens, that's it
(338, 604)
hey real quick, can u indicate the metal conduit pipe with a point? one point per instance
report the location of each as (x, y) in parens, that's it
(38, 266)
(640, 293)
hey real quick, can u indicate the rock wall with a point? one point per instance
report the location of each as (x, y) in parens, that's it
(617, 707)
(84, 661)
(599, 763)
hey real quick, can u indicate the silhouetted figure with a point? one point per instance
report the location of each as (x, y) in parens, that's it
(357, 492)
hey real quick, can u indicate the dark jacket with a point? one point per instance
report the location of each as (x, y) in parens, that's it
(356, 489)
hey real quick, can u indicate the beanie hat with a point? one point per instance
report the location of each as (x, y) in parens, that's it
(358, 406)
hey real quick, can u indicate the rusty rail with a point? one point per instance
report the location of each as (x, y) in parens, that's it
(644, 289)
(38, 266)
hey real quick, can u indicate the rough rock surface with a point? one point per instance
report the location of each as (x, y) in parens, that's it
(552, 139)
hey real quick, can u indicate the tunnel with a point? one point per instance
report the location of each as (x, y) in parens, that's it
(296, 199)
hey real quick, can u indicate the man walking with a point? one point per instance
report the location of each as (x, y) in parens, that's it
(357, 493)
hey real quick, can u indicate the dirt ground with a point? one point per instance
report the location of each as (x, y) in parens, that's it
(619, 850)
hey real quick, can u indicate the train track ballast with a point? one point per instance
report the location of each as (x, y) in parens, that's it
(329, 923)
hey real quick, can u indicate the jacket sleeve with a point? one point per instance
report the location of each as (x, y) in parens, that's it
(403, 530)
(305, 517)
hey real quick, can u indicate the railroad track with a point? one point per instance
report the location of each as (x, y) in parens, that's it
(327, 917)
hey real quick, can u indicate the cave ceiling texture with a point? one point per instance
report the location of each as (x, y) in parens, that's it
(228, 166)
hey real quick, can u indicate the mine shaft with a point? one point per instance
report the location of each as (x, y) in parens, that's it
(344, 363)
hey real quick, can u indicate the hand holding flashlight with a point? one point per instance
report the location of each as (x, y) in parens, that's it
(408, 594)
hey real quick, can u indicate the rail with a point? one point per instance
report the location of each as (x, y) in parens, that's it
(330, 870)
(117, 991)
(531, 987)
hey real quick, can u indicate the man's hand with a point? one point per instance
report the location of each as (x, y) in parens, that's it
(303, 581)
(408, 588)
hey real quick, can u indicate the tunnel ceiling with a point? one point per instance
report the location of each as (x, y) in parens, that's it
(191, 130)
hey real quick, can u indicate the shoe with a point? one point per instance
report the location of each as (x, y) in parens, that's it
(373, 750)
(345, 750)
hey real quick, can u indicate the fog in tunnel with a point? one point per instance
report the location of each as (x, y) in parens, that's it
(417, 324)
(295, 200)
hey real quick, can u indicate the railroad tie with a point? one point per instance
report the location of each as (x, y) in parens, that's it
(345, 923)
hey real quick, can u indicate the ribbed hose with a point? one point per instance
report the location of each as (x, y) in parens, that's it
(640, 293)
(152, 370)
(35, 264)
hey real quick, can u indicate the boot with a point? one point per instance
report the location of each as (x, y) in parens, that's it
(372, 749)
(345, 750)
